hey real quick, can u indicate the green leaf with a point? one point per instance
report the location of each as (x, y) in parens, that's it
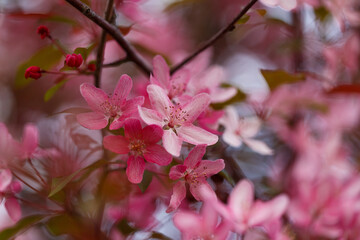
(276, 78)
(147, 178)
(51, 92)
(63, 224)
(239, 97)
(244, 19)
(158, 235)
(61, 19)
(227, 177)
(85, 52)
(45, 58)
(20, 226)
(321, 13)
(59, 183)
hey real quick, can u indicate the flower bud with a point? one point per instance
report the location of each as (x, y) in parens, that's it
(33, 72)
(74, 60)
(91, 67)
(43, 31)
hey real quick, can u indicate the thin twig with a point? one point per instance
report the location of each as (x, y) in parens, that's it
(213, 39)
(115, 33)
(298, 38)
(37, 173)
(101, 48)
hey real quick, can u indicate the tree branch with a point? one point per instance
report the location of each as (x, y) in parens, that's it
(214, 38)
(101, 48)
(115, 33)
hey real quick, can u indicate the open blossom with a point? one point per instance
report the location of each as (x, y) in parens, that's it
(7, 191)
(115, 108)
(201, 226)
(243, 212)
(140, 144)
(177, 120)
(175, 85)
(194, 171)
(238, 131)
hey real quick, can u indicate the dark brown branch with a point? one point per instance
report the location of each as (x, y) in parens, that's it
(214, 38)
(115, 33)
(298, 56)
(116, 63)
(101, 48)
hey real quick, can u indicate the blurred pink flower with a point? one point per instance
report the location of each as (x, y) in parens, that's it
(7, 191)
(285, 4)
(194, 171)
(177, 120)
(114, 108)
(242, 130)
(140, 144)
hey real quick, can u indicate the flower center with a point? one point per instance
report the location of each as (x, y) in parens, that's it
(176, 116)
(111, 109)
(137, 147)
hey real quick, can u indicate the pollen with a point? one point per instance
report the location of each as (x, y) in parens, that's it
(137, 147)
(176, 116)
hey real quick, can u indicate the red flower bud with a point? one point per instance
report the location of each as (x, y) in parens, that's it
(43, 31)
(74, 60)
(91, 67)
(33, 72)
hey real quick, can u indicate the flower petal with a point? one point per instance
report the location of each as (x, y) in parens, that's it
(150, 116)
(179, 193)
(241, 199)
(258, 146)
(232, 139)
(30, 139)
(208, 168)
(161, 71)
(133, 129)
(195, 135)
(195, 188)
(13, 208)
(92, 120)
(177, 172)
(5, 179)
(196, 106)
(95, 97)
(135, 169)
(131, 106)
(266, 211)
(189, 224)
(117, 123)
(152, 134)
(122, 90)
(157, 154)
(172, 143)
(159, 99)
(116, 144)
(195, 156)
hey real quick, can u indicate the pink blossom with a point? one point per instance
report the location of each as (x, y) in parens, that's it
(7, 191)
(174, 86)
(140, 144)
(115, 108)
(285, 4)
(238, 131)
(201, 226)
(177, 120)
(194, 171)
(243, 212)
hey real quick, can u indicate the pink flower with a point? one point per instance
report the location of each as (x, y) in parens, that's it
(177, 120)
(114, 108)
(140, 144)
(201, 226)
(174, 86)
(242, 130)
(194, 171)
(285, 4)
(243, 212)
(7, 191)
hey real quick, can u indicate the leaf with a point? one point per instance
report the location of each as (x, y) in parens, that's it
(147, 178)
(85, 52)
(51, 92)
(59, 183)
(124, 29)
(20, 226)
(276, 78)
(45, 58)
(63, 224)
(244, 19)
(321, 13)
(239, 97)
(227, 177)
(61, 19)
(158, 235)
(345, 89)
